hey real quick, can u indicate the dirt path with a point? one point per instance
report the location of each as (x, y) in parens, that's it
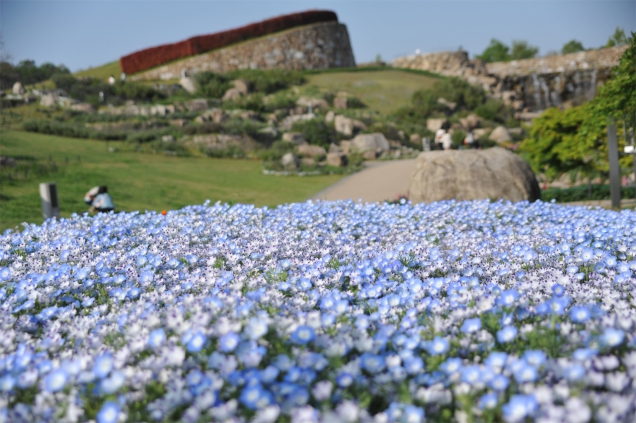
(379, 181)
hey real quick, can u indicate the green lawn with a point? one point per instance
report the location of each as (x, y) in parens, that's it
(102, 72)
(383, 90)
(136, 181)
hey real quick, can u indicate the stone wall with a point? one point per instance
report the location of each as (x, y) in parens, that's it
(317, 46)
(529, 85)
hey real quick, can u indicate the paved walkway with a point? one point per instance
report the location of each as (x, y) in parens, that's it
(379, 181)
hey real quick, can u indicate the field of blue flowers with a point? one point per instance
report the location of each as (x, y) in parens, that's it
(330, 311)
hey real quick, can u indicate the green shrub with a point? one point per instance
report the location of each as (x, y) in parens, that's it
(494, 110)
(52, 127)
(88, 89)
(252, 102)
(315, 131)
(458, 138)
(355, 103)
(276, 151)
(237, 126)
(280, 101)
(268, 81)
(583, 193)
(231, 152)
(211, 85)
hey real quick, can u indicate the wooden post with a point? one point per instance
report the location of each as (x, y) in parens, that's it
(615, 173)
(50, 204)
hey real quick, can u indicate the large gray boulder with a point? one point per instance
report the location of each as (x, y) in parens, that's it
(370, 142)
(494, 173)
(18, 89)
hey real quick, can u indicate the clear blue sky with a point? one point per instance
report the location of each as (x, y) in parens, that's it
(81, 34)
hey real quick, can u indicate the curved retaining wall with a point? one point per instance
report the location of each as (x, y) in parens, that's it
(317, 46)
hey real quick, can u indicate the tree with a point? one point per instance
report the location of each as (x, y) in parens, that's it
(522, 50)
(572, 47)
(618, 39)
(495, 52)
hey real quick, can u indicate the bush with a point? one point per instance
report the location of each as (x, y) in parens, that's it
(494, 110)
(268, 81)
(315, 131)
(582, 193)
(88, 89)
(72, 131)
(252, 102)
(458, 138)
(276, 151)
(211, 85)
(230, 152)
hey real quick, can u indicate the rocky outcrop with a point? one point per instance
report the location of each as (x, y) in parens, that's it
(527, 85)
(493, 173)
(317, 46)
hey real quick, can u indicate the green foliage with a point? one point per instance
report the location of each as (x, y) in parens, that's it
(575, 140)
(276, 151)
(618, 38)
(52, 127)
(494, 110)
(583, 193)
(458, 138)
(27, 72)
(315, 131)
(211, 85)
(230, 152)
(495, 52)
(88, 89)
(252, 102)
(522, 50)
(572, 46)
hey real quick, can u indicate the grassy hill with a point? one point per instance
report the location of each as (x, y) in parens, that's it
(102, 72)
(136, 181)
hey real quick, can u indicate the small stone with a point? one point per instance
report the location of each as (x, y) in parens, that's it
(337, 159)
(500, 135)
(18, 89)
(311, 150)
(289, 161)
(294, 138)
(232, 94)
(168, 138)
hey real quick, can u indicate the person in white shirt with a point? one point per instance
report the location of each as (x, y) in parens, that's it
(103, 203)
(469, 141)
(447, 141)
(438, 138)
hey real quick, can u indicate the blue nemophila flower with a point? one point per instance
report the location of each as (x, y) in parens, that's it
(519, 407)
(437, 346)
(412, 414)
(109, 413)
(496, 360)
(5, 274)
(471, 325)
(451, 365)
(372, 363)
(526, 373)
(229, 342)
(558, 290)
(507, 298)
(499, 383)
(255, 397)
(55, 380)
(112, 383)
(303, 335)
(7, 382)
(103, 365)
(344, 379)
(196, 342)
(580, 314)
(534, 357)
(507, 334)
(612, 337)
(488, 401)
(156, 338)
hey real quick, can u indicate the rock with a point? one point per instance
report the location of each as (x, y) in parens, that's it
(287, 123)
(158, 109)
(197, 105)
(370, 155)
(415, 139)
(179, 122)
(471, 121)
(368, 142)
(250, 115)
(168, 138)
(269, 132)
(336, 159)
(345, 146)
(333, 148)
(289, 161)
(242, 85)
(478, 133)
(449, 104)
(217, 115)
(340, 103)
(18, 89)
(435, 124)
(308, 162)
(83, 107)
(493, 173)
(500, 134)
(313, 102)
(330, 116)
(308, 150)
(517, 132)
(188, 85)
(294, 137)
(344, 125)
(6, 161)
(232, 94)
(48, 100)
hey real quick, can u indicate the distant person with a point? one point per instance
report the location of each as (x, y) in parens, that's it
(438, 138)
(447, 141)
(111, 80)
(102, 203)
(90, 195)
(469, 141)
